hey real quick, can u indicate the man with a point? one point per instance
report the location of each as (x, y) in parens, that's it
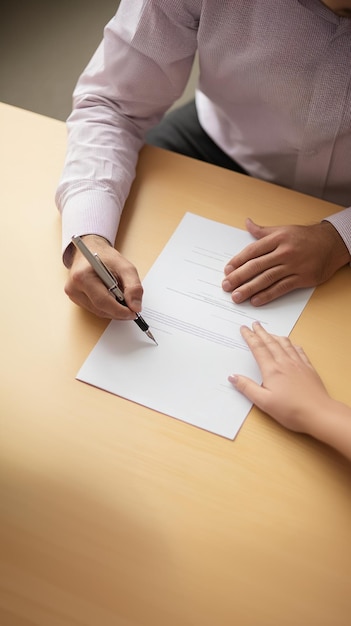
(273, 101)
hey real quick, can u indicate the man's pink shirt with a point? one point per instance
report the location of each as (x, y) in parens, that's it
(274, 93)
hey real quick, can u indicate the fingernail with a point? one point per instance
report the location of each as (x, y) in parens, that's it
(226, 285)
(137, 305)
(255, 300)
(237, 297)
(228, 269)
(233, 379)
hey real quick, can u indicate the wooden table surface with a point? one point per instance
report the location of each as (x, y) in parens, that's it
(112, 514)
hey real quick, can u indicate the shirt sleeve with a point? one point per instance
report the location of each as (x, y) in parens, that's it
(342, 223)
(140, 68)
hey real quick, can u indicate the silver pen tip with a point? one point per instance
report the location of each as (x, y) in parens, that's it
(150, 335)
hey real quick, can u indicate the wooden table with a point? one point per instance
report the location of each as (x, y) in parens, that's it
(114, 515)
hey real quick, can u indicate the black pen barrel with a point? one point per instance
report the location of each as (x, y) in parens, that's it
(141, 323)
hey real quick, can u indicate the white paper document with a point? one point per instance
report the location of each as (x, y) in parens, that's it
(197, 327)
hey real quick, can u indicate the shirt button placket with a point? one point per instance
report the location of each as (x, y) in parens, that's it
(331, 85)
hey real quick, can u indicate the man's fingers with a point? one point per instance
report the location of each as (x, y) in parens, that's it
(256, 252)
(83, 301)
(282, 258)
(133, 290)
(263, 288)
(85, 288)
(98, 300)
(275, 291)
(256, 230)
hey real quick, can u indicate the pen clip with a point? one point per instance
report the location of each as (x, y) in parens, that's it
(114, 288)
(103, 272)
(102, 264)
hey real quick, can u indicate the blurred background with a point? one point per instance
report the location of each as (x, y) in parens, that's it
(45, 45)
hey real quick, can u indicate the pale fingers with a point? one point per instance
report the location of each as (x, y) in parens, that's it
(291, 390)
(269, 350)
(254, 392)
(289, 350)
(262, 344)
(276, 343)
(303, 355)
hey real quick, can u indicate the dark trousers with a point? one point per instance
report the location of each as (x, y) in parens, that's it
(180, 131)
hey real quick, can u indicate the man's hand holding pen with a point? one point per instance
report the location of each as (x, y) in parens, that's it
(85, 288)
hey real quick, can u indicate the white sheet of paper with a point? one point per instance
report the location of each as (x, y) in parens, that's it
(197, 327)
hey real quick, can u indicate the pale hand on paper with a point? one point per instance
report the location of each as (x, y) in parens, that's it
(292, 392)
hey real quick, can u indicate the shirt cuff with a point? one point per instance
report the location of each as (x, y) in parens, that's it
(342, 223)
(88, 213)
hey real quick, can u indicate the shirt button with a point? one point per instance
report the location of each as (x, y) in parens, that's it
(310, 153)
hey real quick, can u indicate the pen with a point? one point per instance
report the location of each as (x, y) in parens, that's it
(109, 281)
